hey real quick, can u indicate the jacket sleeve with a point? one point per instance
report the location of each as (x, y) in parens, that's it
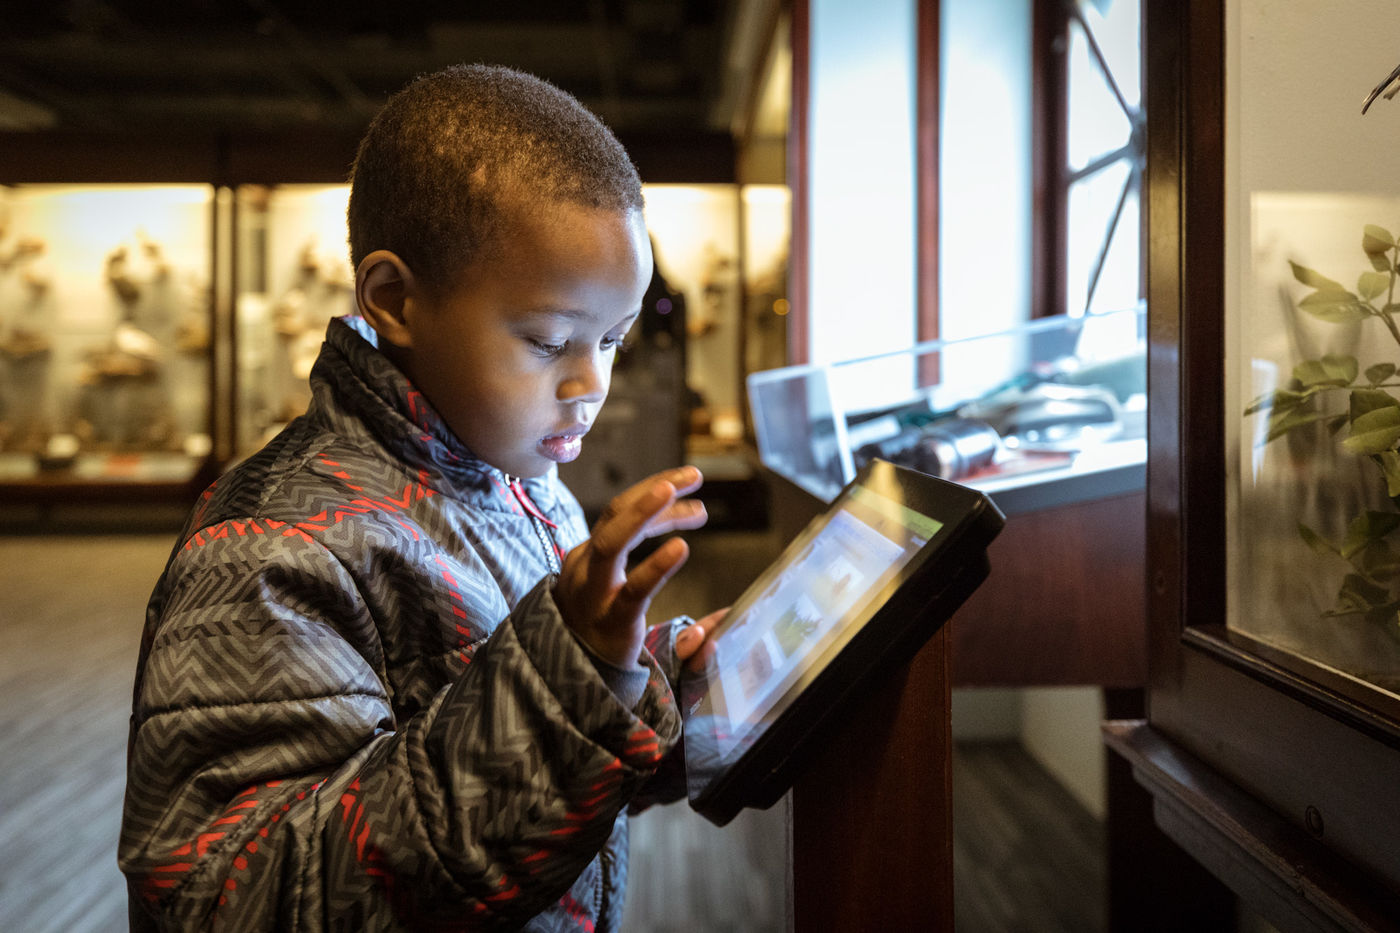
(269, 785)
(668, 783)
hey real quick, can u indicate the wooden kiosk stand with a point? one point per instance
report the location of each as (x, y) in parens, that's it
(871, 818)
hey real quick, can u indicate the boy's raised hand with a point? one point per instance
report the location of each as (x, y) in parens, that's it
(602, 601)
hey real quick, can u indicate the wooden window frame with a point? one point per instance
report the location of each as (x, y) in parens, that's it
(1307, 752)
(1050, 23)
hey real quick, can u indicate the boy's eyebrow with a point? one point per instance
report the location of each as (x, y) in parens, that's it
(573, 313)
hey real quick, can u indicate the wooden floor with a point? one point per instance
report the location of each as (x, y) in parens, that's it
(1027, 856)
(70, 620)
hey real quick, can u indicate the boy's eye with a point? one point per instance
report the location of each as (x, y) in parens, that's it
(546, 348)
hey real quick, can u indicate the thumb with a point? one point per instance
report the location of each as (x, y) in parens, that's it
(687, 640)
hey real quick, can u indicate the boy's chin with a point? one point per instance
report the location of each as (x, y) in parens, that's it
(524, 468)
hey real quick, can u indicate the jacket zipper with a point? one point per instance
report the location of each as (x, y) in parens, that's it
(544, 529)
(601, 892)
(543, 526)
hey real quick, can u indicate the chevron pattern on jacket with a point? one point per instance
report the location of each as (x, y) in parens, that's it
(357, 707)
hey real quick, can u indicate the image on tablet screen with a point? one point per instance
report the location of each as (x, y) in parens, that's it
(807, 612)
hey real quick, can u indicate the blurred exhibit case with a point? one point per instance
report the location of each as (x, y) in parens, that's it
(292, 274)
(153, 334)
(105, 333)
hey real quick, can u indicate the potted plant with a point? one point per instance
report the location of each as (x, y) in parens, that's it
(1367, 426)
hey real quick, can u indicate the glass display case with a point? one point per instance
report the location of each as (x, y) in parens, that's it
(695, 233)
(105, 333)
(150, 334)
(1050, 412)
(292, 276)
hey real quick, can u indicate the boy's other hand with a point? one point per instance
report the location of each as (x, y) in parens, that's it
(602, 601)
(690, 639)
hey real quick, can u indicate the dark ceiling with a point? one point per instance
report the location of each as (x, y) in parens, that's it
(199, 66)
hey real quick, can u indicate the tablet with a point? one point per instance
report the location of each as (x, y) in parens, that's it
(855, 595)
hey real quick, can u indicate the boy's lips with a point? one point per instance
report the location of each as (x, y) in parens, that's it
(565, 445)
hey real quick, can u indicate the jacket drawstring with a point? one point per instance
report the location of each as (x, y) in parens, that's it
(549, 540)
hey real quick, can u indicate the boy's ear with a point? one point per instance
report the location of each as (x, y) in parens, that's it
(384, 287)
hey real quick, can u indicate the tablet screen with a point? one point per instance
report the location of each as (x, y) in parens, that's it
(795, 618)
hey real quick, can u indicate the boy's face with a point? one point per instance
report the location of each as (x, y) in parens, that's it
(518, 358)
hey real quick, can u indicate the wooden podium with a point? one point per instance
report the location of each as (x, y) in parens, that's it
(871, 819)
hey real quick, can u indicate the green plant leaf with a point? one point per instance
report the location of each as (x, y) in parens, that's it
(1314, 279)
(1334, 306)
(1358, 595)
(1366, 529)
(1281, 422)
(1316, 541)
(1390, 465)
(1339, 371)
(1278, 400)
(1376, 239)
(1336, 423)
(1378, 562)
(1364, 401)
(1379, 373)
(1374, 432)
(1381, 262)
(1371, 284)
(1341, 367)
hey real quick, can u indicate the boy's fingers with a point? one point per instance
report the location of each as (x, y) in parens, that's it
(686, 514)
(647, 577)
(657, 512)
(617, 532)
(598, 573)
(693, 636)
(647, 509)
(679, 513)
(686, 479)
(683, 481)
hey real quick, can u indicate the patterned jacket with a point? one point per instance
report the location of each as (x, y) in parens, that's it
(357, 707)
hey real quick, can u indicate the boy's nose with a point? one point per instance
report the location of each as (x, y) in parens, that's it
(587, 382)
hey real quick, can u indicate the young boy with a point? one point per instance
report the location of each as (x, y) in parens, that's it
(387, 680)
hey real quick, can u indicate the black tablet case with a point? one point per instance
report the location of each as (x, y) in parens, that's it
(950, 567)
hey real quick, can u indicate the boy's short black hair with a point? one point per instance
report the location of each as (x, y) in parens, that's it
(449, 151)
